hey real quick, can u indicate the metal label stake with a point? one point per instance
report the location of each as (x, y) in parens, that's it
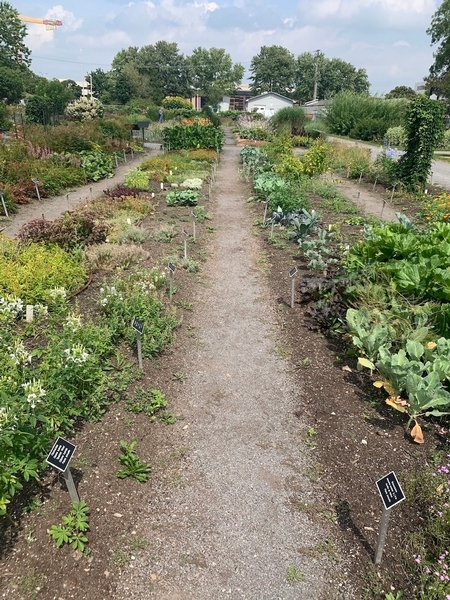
(265, 211)
(171, 272)
(4, 205)
(391, 494)
(138, 326)
(292, 274)
(35, 181)
(186, 235)
(375, 184)
(193, 226)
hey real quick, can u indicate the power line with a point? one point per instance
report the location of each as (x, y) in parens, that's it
(75, 62)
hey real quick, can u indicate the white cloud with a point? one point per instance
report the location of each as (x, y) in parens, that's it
(402, 43)
(112, 39)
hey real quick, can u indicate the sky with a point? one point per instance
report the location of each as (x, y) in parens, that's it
(386, 37)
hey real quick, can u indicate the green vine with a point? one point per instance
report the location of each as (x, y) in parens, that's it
(424, 131)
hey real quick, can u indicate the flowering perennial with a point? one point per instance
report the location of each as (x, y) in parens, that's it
(34, 392)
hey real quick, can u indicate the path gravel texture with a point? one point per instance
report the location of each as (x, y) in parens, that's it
(230, 529)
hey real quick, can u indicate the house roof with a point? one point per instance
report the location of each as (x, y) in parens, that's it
(271, 94)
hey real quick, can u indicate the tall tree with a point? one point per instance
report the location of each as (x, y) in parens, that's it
(101, 82)
(333, 76)
(11, 85)
(13, 51)
(439, 31)
(165, 69)
(124, 57)
(401, 91)
(213, 73)
(273, 70)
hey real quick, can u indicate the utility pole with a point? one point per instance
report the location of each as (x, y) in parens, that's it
(316, 73)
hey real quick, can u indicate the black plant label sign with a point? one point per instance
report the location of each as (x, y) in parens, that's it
(61, 454)
(138, 325)
(293, 272)
(171, 267)
(390, 490)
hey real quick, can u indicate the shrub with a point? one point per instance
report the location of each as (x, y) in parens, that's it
(349, 111)
(70, 231)
(137, 178)
(193, 133)
(35, 270)
(396, 136)
(85, 109)
(317, 159)
(174, 102)
(122, 191)
(254, 133)
(157, 168)
(291, 119)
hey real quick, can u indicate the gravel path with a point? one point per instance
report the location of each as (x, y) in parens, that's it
(230, 529)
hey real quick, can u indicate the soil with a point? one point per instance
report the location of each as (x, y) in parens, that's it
(264, 488)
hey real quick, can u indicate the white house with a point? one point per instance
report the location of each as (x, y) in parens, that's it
(268, 103)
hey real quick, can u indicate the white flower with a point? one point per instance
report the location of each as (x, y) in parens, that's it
(76, 355)
(73, 322)
(11, 305)
(18, 353)
(34, 391)
(58, 293)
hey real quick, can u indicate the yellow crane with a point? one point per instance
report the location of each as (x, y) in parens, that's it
(49, 23)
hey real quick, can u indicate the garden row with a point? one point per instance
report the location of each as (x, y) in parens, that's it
(387, 292)
(64, 367)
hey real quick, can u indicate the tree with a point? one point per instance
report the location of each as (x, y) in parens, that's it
(73, 87)
(124, 57)
(167, 70)
(49, 100)
(401, 91)
(13, 51)
(439, 31)
(11, 85)
(333, 76)
(213, 73)
(273, 70)
(127, 84)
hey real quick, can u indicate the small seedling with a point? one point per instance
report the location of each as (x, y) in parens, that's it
(311, 437)
(29, 584)
(147, 401)
(294, 575)
(167, 418)
(120, 558)
(134, 467)
(73, 528)
(391, 596)
(137, 543)
(179, 376)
